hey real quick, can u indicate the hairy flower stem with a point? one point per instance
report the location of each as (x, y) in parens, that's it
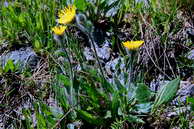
(80, 18)
(96, 56)
(63, 41)
(64, 46)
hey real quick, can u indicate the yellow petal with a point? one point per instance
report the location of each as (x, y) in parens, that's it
(67, 15)
(59, 30)
(131, 45)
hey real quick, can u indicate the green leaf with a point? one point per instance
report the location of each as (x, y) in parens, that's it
(81, 4)
(144, 107)
(94, 95)
(142, 93)
(41, 122)
(1, 70)
(61, 96)
(37, 45)
(115, 103)
(108, 115)
(166, 93)
(9, 66)
(191, 100)
(56, 112)
(21, 18)
(90, 118)
(64, 80)
(28, 119)
(134, 119)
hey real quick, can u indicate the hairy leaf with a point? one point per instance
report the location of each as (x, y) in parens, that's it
(166, 93)
(142, 93)
(90, 118)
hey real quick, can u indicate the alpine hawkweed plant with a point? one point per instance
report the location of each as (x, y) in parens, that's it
(65, 17)
(133, 45)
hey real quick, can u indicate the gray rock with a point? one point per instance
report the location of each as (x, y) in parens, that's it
(24, 56)
(88, 54)
(190, 31)
(186, 90)
(104, 52)
(176, 111)
(157, 83)
(111, 66)
(191, 55)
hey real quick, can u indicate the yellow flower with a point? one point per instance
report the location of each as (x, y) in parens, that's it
(67, 15)
(59, 30)
(131, 45)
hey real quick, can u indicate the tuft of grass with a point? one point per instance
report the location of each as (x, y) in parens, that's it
(28, 23)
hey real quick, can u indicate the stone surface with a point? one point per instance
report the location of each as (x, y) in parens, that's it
(24, 56)
(111, 66)
(88, 54)
(191, 55)
(104, 52)
(186, 90)
(157, 83)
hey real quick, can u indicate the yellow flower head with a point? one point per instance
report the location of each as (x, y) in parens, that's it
(59, 30)
(131, 45)
(67, 15)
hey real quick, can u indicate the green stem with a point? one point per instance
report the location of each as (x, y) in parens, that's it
(70, 66)
(88, 33)
(96, 56)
